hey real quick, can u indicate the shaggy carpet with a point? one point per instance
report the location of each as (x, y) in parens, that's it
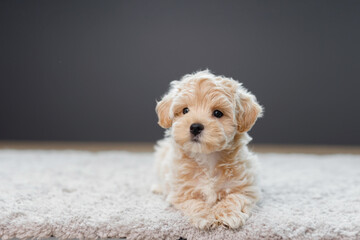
(73, 194)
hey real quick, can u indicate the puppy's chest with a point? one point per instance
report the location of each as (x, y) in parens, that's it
(211, 180)
(207, 163)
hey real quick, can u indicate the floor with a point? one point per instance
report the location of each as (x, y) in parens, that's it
(149, 147)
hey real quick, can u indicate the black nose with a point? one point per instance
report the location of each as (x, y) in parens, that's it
(196, 128)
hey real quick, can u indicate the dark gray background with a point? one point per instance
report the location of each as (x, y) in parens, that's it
(91, 70)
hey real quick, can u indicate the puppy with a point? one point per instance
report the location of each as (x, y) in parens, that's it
(203, 164)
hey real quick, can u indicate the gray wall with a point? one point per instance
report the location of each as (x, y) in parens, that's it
(91, 70)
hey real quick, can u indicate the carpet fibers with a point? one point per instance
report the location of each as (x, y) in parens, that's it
(73, 194)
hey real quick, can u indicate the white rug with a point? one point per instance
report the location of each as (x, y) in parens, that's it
(71, 194)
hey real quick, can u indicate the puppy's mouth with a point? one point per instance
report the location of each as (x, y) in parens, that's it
(196, 138)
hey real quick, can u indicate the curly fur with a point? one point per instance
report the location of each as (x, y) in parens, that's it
(212, 180)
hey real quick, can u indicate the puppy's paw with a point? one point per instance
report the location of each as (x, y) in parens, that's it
(231, 219)
(204, 223)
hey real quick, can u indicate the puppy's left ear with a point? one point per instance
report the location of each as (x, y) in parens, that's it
(249, 110)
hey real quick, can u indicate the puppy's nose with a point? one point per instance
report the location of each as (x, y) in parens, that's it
(196, 128)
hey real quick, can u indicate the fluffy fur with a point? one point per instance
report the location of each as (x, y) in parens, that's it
(211, 180)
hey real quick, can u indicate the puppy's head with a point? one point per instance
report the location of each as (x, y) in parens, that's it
(205, 112)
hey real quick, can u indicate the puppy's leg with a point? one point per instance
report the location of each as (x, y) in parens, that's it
(162, 159)
(234, 209)
(198, 213)
(196, 210)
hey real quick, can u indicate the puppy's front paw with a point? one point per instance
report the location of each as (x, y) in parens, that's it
(230, 218)
(203, 222)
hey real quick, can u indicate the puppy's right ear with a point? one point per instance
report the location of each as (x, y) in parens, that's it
(163, 107)
(163, 112)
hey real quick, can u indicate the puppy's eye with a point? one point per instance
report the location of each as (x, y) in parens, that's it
(185, 110)
(217, 114)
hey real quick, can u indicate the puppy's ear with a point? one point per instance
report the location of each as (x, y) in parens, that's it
(163, 108)
(163, 112)
(249, 110)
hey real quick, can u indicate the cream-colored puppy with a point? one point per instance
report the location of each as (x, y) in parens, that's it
(204, 166)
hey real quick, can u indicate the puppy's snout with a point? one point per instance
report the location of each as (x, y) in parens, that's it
(196, 128)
